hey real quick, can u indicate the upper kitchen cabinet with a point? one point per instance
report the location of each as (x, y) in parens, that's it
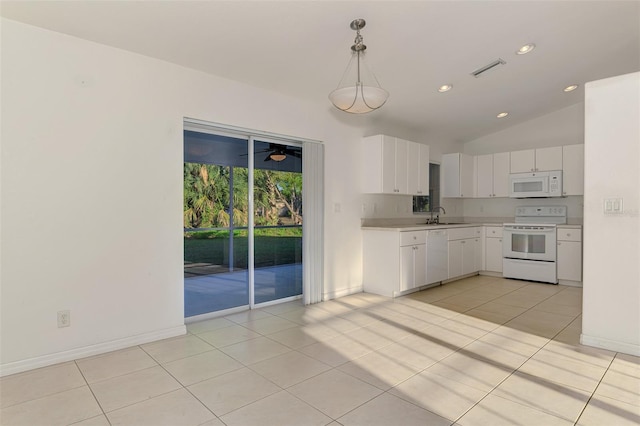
(395, 166)
(418, 168)
(573, 170)
(492, 175)
(536, 160)
(457, 175)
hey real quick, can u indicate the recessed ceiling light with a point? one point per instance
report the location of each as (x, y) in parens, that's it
(571, 88)
(502, 115)
(526, 49)
(445, 88)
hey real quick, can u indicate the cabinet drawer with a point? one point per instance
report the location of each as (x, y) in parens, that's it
(569, 234)
(412, 238)
(493, 231)
(464, 233)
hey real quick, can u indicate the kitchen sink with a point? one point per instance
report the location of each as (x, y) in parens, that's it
(445, 223)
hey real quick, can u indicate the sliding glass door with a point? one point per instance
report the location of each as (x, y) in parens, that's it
(236, 253)
(277, 232)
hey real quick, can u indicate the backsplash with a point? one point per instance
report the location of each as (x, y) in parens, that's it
(380, 209)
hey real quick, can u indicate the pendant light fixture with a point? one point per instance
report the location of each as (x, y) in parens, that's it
(358, 91)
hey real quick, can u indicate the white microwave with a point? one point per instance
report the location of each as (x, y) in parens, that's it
(536, 184)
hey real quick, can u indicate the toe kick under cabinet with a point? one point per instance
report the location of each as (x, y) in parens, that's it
(395, 262)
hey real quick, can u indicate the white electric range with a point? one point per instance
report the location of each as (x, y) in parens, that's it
(529, 244)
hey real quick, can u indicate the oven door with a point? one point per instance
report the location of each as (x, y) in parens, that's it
(530, 242)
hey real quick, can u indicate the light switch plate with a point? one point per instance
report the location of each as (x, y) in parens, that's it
(613, 206)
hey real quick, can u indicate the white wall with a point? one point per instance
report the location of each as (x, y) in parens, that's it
(611, 298)
(479, 208)
(562, 127)
(91, 201)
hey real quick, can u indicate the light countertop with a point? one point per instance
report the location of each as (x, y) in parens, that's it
(425, 227)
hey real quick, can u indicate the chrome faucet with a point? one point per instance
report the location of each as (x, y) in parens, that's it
(437, 219)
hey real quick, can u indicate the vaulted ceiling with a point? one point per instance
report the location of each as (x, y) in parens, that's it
(301, 49)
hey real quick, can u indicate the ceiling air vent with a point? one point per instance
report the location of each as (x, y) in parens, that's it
(477, 73)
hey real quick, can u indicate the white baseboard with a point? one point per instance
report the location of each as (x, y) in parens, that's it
(341, 293)
(570, 283)
(490, 274)
(612, 345)
(83, 352)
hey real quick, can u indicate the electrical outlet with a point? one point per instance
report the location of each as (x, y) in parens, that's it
(64, 319)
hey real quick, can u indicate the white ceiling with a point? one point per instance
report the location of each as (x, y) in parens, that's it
(301, 49)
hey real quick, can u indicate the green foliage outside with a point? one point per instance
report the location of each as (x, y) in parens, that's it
(272, 247)
(207, 199)
(277, 200)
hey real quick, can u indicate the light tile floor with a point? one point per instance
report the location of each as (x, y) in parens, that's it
(479, 351)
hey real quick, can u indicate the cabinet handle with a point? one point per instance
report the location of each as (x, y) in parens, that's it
(559, 243)
(500, 240)
(568, 234)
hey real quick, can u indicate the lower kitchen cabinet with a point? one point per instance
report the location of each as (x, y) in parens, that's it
(569, 254)
(393, 261)
(413, 266)
(493, 248)
(465, 251)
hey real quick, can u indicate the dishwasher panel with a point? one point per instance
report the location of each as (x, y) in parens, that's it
(437, 256)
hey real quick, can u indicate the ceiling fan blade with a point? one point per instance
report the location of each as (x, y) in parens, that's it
(257, 152)
(268, 158)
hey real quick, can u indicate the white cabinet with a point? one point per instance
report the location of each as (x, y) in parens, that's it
(569, 261)
(492, 175)
(418, 168)
(536, 160)
(573, 169)
(465, 251)
(413, 266)
(395, 166)
(458, 176)
(393, 262)
(493, 248)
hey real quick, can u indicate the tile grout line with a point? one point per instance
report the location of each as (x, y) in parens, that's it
(595, 389)
(92, 393)
(180, 383)
(514, 370)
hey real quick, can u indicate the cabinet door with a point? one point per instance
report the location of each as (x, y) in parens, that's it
(450, 175)
(413, 168)
(466, 176)
(423, 169)
(501, 168)
(484, 176)
(455, 258)
(570, 260)
(493, 254)
(573, 170)
(477, 250)
(420, 265)
(388, 165)
(401, 167)
(407, 267)
(549, 159)
(468, 256)
(523, 161)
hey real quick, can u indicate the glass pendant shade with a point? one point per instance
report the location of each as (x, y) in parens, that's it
(358, 91)
(359, 99)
